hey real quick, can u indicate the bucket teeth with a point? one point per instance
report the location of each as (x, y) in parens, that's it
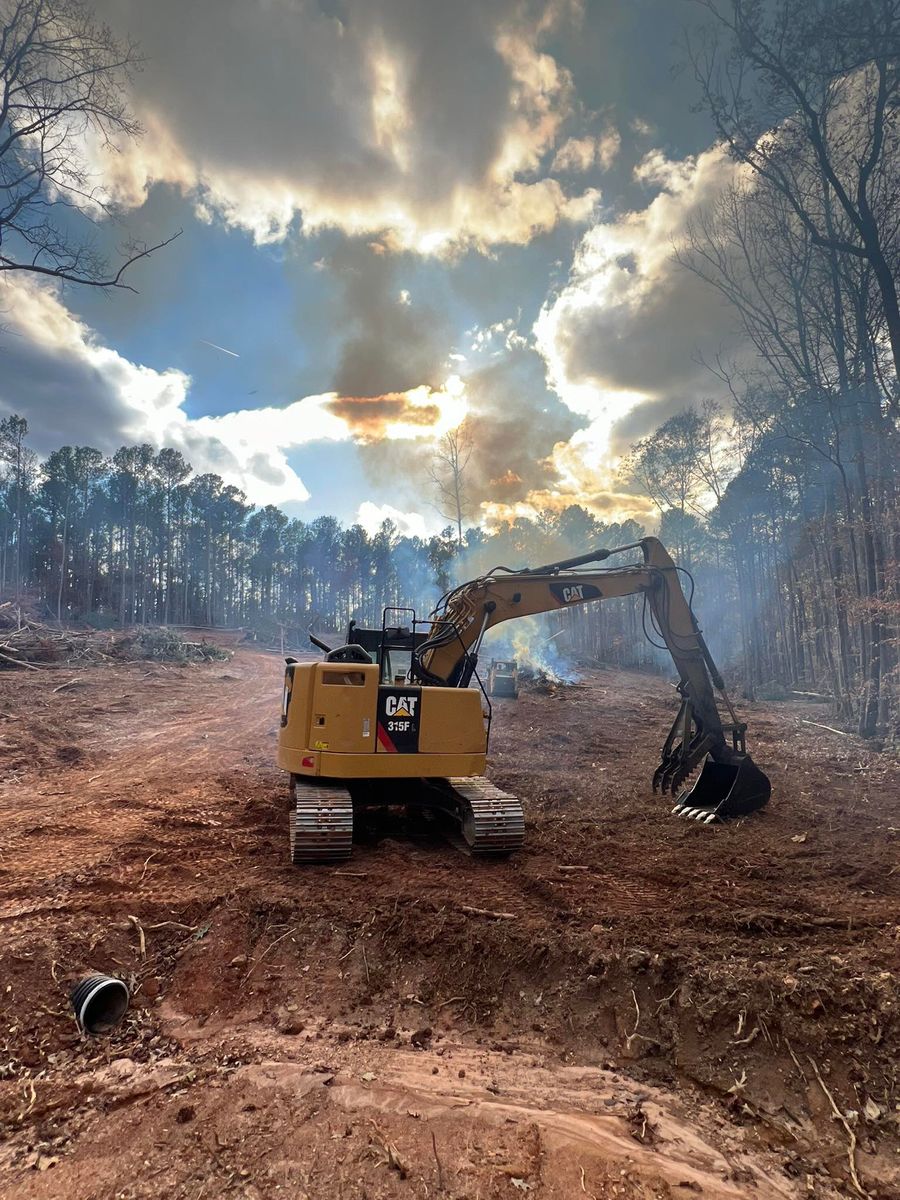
(725, 790)
(677, 810)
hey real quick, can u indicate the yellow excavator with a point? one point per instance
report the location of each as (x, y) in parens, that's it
(392, 716)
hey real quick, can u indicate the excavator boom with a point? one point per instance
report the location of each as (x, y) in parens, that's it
(731, 784)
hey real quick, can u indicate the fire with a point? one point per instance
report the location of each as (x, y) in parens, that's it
(527, 641)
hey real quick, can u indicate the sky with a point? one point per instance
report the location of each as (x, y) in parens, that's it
(394, 215)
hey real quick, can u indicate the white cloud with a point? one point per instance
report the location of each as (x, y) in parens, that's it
(618, 339)
(580, 154)
(620, 336)
(371, 516)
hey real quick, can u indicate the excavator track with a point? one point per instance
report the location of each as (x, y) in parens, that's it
(492, 820)
(321, 822)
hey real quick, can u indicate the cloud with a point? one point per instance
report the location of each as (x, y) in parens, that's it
(605, 505)
(428, 122)
(576, 471)
(580, 154)
(372, 516)
(513, 422)
(401, 415)
(621, 338)
(388, 342)
(73, 389)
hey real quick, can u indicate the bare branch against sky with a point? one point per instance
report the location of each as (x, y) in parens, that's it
(63, 82)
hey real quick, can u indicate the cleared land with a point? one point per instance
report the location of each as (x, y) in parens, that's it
(664, 1009)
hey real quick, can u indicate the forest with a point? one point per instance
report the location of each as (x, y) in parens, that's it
(780, 496)
(138, 539)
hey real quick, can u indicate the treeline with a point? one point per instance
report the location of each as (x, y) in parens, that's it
(138, 539)
(800, 493)
(777, 538)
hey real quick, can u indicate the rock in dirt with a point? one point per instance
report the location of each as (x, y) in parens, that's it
(288, 1022)
(122, 1068)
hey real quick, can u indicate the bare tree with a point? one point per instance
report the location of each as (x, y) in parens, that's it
(63, 80)
(821, 382)
(448, 474)
(806, 94)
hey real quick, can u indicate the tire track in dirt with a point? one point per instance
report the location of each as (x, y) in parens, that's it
(150, 756)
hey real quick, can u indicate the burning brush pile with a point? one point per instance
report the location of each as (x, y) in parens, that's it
(542, 665)
(545, 682)
(29, 643)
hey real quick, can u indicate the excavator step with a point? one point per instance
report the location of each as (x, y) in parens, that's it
(321, 822)
(492, 820)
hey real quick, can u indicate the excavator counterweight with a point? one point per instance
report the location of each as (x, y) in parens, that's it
(390, 717)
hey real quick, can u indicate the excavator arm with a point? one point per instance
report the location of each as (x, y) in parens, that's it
(730, 784)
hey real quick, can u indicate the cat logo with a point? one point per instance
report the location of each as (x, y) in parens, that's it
(401, 706)
(397, 727)
(575, 593)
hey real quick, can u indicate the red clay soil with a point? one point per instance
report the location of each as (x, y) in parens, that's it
(664, 1009)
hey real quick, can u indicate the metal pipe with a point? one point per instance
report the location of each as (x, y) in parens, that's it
(564, 564)
(580, 561)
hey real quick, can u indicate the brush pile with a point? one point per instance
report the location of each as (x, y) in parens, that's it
(162, 644)
(30, 643)
(545, 682)
(26, 641)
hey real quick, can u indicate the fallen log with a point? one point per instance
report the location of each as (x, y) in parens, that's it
(488, 912)
(830, 728)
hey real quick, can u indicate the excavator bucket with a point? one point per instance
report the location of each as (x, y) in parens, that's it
(724, 791)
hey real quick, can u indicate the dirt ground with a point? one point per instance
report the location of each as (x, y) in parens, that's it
(664, 1009)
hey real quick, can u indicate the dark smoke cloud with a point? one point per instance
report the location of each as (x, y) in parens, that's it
(388, 345)
(514, 423)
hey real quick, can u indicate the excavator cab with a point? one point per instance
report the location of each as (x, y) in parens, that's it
(390, 648)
